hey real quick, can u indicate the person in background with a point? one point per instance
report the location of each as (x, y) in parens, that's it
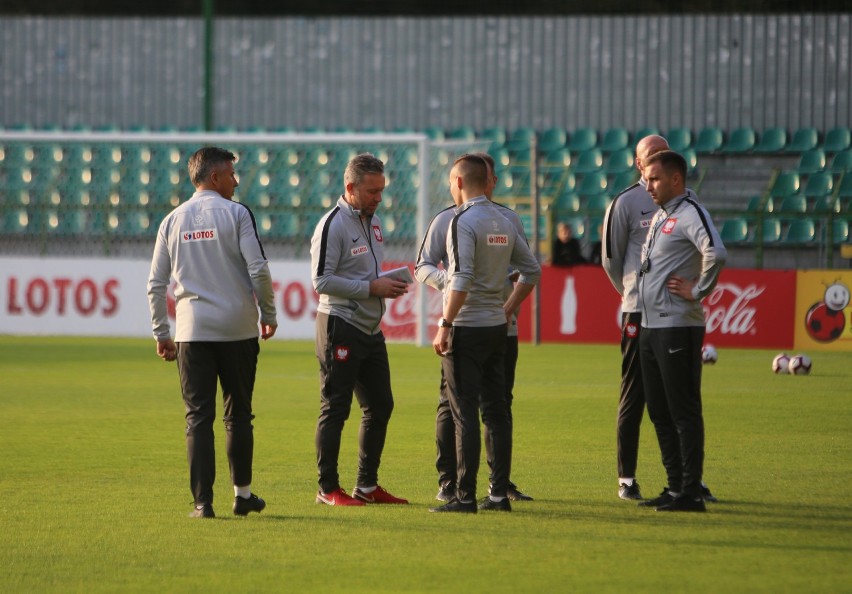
(209, 245)
(566, 249)
(347, 250)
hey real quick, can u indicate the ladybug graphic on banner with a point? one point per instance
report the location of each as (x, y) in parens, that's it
(377, 233)
(824, 321)
(341, 353)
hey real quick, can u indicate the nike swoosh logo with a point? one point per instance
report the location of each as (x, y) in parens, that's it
(354, 239)
(673, 351)
(644, 212)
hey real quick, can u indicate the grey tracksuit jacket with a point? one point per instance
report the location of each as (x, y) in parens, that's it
(626, 225)
(346, 254)
(433, 251)
(482, 246)
(210, 246)
(682, 240)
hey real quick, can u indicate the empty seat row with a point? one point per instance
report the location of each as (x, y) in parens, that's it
(774, 230)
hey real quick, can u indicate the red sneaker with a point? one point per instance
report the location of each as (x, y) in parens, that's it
(338, 497)
(377, 496)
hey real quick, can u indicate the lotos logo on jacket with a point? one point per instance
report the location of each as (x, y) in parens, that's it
(360, 249)
(498, 239)
(377, 233)
(201, 235)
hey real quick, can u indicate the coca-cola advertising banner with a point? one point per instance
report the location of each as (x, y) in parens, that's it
(748, 308)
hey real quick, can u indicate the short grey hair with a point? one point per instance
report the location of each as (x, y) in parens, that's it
(361, 165)
(206, 160)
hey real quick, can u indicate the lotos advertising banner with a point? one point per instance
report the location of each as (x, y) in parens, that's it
(748, 308)
(823, 319)
(108, 297)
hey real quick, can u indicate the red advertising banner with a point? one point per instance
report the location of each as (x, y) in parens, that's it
(748, 308)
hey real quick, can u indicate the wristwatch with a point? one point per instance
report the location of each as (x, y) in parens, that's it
(444, 323)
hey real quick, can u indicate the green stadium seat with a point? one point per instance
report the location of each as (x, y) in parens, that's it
(462, 133)
(804, 139)
(622, 181)
(710, 140)
(801, 232)
(772, 140)
(786, 184)
(643, 132)
(596, 203)
(495, 135)
(593, 229)
(588, 162)
(505, 182)
(771, 231)
(819, 185)
(840, 231)
(845, 189)
(615, 139)
(566, 203)
(520, 139)
(552, 139)
(593, 184)
(757, 204)
(741, 140)
(501, 157)
(734, 231)
(583, 140)
(841, 163)
(15, 221)
(795, 203)
(434, 133)
(679, 139)
(691, 158)
(619, 161)
(811, 161)
(836, 140)
(519, 156)
(826, 203)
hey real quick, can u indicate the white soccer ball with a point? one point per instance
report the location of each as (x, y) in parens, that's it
(799, 365)
(709, 356)
(781, 364)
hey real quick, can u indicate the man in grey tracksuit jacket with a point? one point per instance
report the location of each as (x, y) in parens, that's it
(347, 250)
(482, 245)
(433, 252)
(681, 260)
(210, 247)
(626, 225)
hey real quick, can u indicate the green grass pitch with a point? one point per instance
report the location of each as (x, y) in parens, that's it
(95, 486)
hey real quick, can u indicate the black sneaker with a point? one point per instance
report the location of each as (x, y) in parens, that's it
(205, 511)
(684, 503)
(488, 504)
(663, 498)
(446, 493)
(455, 505)
(629, 491)
(242, 506)
(707, 495)
(515, 495)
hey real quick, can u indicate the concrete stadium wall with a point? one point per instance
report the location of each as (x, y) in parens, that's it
(630, 71)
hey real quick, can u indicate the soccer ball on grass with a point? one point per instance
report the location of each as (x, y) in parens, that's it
(709, 356)
(781, 364)
(799, 365)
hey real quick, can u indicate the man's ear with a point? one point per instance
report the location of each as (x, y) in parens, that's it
(349, 187)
